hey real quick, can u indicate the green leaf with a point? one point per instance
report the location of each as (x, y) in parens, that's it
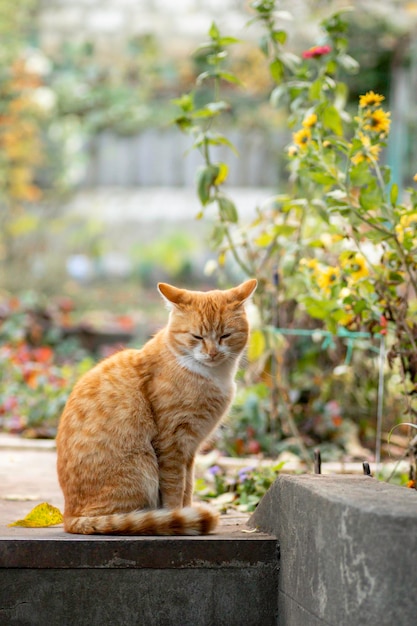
(230, 78)
(264, 44)
(284, 230)
(228, 41)
(215, 139)
(348, 63)
(359, 174)
(214, 32)
(203, 76)
(318, 309)
(227, 209)
(322, 178)
(316, 89)
(206, 176)
(278, 94)
(184, 123)
(185, 102)
(331, 120)
(291, 61)
(217, 235)
(211, 109)
(276, 69)
(394, 194)
(370, 197)
(280, 36)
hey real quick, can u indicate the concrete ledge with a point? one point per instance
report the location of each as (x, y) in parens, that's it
(51, 577)
(348, 548)
(53, 548)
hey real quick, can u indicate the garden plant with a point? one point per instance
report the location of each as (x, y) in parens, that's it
(336, 250)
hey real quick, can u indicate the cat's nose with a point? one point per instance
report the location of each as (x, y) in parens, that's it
(212, 352)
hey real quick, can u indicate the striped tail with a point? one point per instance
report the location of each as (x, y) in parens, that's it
(198, 520)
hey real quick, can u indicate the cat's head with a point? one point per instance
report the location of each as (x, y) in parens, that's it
(208, 328)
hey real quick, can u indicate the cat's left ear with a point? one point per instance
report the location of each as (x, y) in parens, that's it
(243, 292)
(172, 295)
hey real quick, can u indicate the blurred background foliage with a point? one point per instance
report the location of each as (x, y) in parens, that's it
(56, 102)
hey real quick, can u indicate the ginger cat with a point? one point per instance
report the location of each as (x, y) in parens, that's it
(132, 425)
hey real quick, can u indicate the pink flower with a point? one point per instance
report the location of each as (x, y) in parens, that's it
(316, 51)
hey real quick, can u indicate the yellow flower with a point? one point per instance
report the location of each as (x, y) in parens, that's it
(377, 121)
(415, 178)
(346, 318)
(406, 226)
(302, 137)
(368, 152)
(292, 151)
(310, 120)
(370, 99)
(312, 264)
(328, 278)
(355, 264)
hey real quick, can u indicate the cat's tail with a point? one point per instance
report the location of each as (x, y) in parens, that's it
(196, 520)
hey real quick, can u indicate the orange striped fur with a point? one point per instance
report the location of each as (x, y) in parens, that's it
(132, 425)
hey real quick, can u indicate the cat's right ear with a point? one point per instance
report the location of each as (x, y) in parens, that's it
(171, 295)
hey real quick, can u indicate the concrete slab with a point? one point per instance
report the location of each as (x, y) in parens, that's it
(347, 550)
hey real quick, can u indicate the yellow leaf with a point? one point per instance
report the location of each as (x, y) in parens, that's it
(221, 259)
(264, 240)
(41, 516)
(222, 175)
(257, 345)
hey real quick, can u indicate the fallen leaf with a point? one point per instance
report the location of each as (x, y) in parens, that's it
(41, 516)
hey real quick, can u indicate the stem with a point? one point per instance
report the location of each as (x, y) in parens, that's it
(235, 254)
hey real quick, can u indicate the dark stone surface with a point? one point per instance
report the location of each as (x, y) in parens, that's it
(50, 577)
(121, 597)
(348, 548)
(33, 550)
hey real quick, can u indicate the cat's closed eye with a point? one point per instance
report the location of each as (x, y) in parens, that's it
(198, 337)
(225, 336)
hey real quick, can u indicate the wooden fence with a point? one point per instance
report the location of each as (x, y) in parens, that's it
(163, 158)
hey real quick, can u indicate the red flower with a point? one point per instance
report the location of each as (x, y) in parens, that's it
(316, 51)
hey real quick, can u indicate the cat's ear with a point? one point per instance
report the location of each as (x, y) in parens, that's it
(172, 295)
(243, 292)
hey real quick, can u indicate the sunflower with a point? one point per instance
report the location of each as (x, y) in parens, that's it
(346, 318)
(355, 264)
(310, 121)
(302, 137)
(328, 278)
(368, 152)
(407, 226)
(311, 264)
(370, 99)
(377, 121)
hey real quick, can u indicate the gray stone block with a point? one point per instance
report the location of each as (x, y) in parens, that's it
(50, 577)
(347, 545)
